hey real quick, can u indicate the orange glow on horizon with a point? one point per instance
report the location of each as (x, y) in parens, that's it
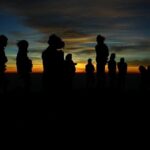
(80, 68)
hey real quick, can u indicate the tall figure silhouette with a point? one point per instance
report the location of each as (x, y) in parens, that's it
(112, 70)
(3, 61)
(122, 72)
(102, 53)
(53, 63)
(89, 69)
(69, 71)
(24, 64)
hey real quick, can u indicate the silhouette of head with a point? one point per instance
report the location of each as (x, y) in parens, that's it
(56, 42)
(89, 60)
(69, 57)
(113, 55)
(100, 39)
(3, 40)
(142, 69)
(122, 60)
(23, 44)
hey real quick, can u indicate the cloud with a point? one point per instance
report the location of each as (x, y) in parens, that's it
(37, 51)
(86, 52)
(79, 21)
(75, 17)
(138, 62)
(139, 46)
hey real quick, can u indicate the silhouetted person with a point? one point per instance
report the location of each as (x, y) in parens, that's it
(144, 78)
(90, 79)
(60, 70)
(102, 53)
(148, 74)
(69, 71)
(122, 72)
(24, 64)
(53, 63)
(3, 61)
(112, 70)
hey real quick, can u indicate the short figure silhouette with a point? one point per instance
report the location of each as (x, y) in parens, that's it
(122, 72)
(112, 70)
(102, 53)
(144, 78)
(3, 61)
(24, 64)
(53, 63)
(148, 74)
(69, 71)
(90, 78)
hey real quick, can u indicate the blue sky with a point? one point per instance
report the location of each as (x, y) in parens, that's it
(125, 24)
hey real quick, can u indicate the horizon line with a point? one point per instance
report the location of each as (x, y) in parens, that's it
(131, 69)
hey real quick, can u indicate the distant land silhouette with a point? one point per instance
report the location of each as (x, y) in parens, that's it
(133, 82)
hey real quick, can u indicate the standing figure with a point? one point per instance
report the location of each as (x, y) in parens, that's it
(148, 75)
(144, 78)
(69, 71)
(122, 72)
(3, 61)
(24, 64)
(53, 64)
(102, 53)
(89, 68)
(112, 70)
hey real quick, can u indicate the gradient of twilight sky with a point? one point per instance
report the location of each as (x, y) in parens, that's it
(125, 24)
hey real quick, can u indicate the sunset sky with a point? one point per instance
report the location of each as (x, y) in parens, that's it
(124, 23)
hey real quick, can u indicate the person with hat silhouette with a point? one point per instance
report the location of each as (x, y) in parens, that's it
(53, 63)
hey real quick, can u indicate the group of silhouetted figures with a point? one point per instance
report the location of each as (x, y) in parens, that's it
(102, 53)
(58, 73)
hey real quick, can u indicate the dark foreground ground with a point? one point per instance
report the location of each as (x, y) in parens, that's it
(70, 109)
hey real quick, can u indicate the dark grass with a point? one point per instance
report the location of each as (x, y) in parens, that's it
(40, 110)
(79, 82)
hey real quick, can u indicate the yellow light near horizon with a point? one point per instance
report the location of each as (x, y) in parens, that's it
(80, 68)
(133, 69)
